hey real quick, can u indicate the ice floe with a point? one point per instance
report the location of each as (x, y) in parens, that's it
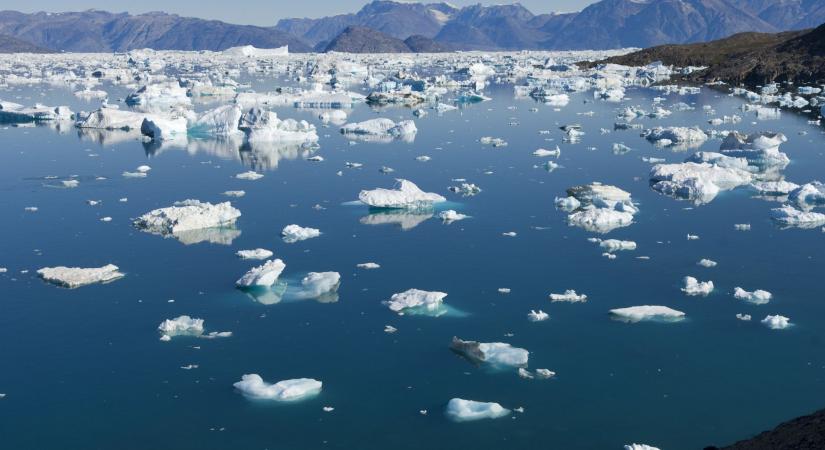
(187, 215)
(776, 322)
(407, 195)
(462, 410)
(416, 298)
(264, 275)
(254, 386)
(757, 297)
(258, 253)
(569, 296)
(692, 286)
(295, 233)
(73, 277)
(647, 312)
(496, 353)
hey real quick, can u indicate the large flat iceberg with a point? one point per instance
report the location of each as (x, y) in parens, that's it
(72, 277)
(407, 195)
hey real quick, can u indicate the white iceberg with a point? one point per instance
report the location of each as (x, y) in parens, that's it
(163, 129)
(569, 296)
(73, 277)
(757, 297)
(321, 286)
(408, 195)
(294, 233)
(497, 353)
(264, 275)
(221, 121)
(265, 126)
(415, 298)
(187, 215)
(258, 253)
(776, 322)
(180, 326)
(537, 316)
(381, 130)
(695, 287)
(462, 410)
(789, 216)
(646, 312)
(254, 386)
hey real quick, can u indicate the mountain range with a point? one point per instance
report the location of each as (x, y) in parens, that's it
(438, 26)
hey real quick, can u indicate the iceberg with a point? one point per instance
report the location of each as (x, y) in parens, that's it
(757, 297)
(808, 196)
(221, 121)
(294, 233)
(381, 130)
(254, 386)
(569, 296)
(598, 208)
(680, 138)
(415, 298)
(537, 316)
(462, 410)
(639, 447)
(698, 182)
(635, 314)
(162, 94)
(706, 263)
(265, 126)
(496, 353)
(180, 326)
(187, 215)
(162, 129)
(258, 253)
(73, 277)
(695, 287)
(321, 286)
(615, 245)
(408, 195)
(788, 216)
(776, 322)
(451, 215)
(262, 276)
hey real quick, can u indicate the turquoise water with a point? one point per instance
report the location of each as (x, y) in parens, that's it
(84, 369)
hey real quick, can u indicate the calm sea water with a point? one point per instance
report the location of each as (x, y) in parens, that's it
(84, 369)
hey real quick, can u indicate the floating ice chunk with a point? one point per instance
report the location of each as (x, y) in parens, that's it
(569, 296)
(544, 152)
(567, 203)
(743, 317)
(647, 312)
(236, 194)
(695, 287)
(498, 353)
(639, 447)
(462, 410)
(73, 277)
(615, 245)
(254, 386)
(602, 208)
(70, 183)
(451, 215)
(494, 141)
(294, 233)
(504, 290)
(221, 121)
(369, 266)
(336, 117)
(537, 316)
(265, 126)
(112, 119)
(808, 196)
(415, 298)
(760, 149)
(321, 286)
(187, 215)
(163, 129)
(774, 188)
(776, 322)
(600, 220)
(789, 216)
(680, 137)
(381, 130)
(524, 373)
(249, 175)
(180, 326)
(127, 174)
(389, 329)
(466, 189)
(707, 263)
(408, 195)
(166, 93)
(262, 276)
(698, 182)
(757, 297)
(692, 237)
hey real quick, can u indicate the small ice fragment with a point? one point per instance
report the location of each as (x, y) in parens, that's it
(328, 409)
(450, 216)
(369, 266)
(30, 209)
(524, 373)
(106, 219)
(707, 263)
(235, 194)
(180, 326)
(504, 290)
(544, 373)
(70, 183)
(692, 237)
(510, 234)
(493, 352)
(639, 447)
(743, 317)
(647, 312)
(742, 227)
(415, 298)
(389, 329)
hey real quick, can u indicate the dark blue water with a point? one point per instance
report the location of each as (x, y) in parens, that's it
(84, 369)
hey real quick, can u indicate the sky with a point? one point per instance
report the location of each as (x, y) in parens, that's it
(253, 12)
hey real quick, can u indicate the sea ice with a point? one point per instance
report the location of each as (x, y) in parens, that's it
(537, 316)
(776, 322)
(180, 326)
(381, 130)
(569, 296)
(187, 215)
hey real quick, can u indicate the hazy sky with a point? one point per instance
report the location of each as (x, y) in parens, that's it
(257, 12)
